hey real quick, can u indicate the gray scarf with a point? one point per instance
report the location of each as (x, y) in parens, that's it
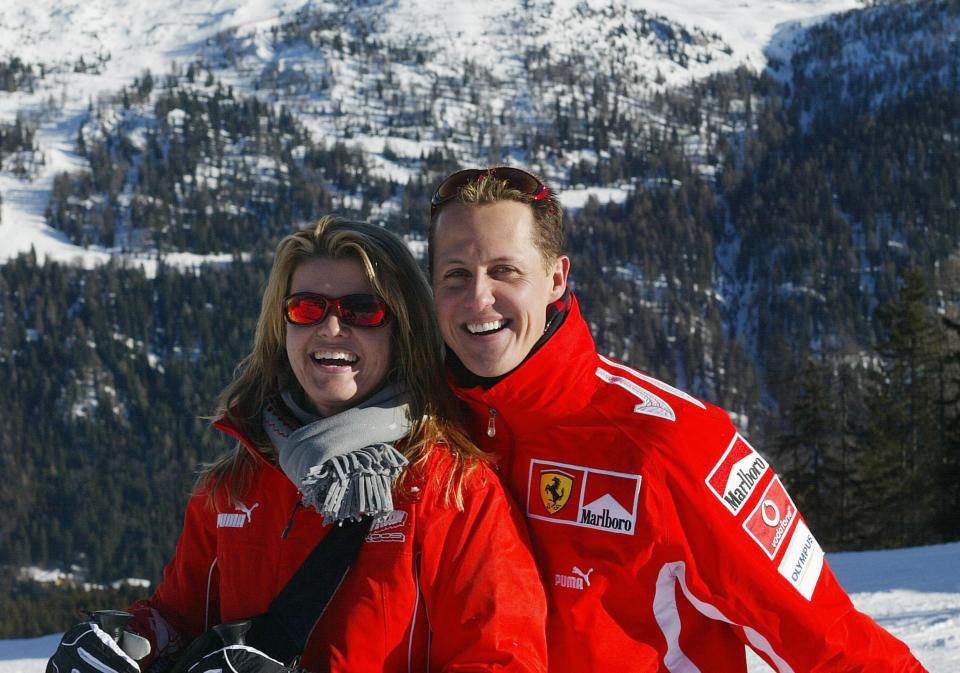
(344, 465)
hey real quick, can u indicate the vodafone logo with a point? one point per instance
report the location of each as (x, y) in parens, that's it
(770, 512)
(771, 520)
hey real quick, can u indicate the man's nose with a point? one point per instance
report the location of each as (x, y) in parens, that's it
(481, 292)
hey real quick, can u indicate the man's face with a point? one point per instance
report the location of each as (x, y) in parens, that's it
(490, 284)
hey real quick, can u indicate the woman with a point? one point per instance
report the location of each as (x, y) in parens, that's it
(341, 406)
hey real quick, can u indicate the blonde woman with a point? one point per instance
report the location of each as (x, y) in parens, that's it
(342, 414)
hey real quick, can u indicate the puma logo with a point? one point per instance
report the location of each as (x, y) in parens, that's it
(584, 575)
(234, 519)
(248, 510)
(578, 580)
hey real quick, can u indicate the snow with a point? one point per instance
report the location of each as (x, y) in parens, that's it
(913, 593)
(123, 38)
(118, 40)
(576, 198)
(28, 655)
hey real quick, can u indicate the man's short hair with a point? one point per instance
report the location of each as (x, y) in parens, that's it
(488, 188)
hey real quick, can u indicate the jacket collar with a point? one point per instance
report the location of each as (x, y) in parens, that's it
(556, 380)
(226, 425)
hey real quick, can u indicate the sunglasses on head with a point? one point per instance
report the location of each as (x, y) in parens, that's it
(523, 182)
(356, 310)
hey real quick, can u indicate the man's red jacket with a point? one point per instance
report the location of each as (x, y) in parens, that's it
(432, 588)
(665, 540)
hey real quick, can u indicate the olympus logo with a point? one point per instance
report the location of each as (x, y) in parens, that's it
(802, 563)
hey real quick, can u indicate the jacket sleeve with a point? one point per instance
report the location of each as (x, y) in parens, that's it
(752, 560)
(186, 602)
(484, 597)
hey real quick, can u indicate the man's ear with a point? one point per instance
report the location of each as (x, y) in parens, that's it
(558, 275)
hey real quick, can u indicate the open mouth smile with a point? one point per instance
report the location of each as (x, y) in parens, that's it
(334, 358)
(485, 328)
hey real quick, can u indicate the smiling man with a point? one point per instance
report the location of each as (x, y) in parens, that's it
(666, 542)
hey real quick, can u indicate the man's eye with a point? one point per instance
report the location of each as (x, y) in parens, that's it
(455, 274)
(502, 270)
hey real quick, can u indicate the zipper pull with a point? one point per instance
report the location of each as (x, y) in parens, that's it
(286, 531)
(492, 423)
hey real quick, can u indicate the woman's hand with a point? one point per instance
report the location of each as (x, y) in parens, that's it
(86, 648)
(238, 658)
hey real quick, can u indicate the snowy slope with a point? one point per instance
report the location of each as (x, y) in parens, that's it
(913, 593)
(89, 49)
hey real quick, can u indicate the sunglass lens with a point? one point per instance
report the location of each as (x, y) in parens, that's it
(363, 309)
(520, 180)
(306, 310)
(451, 186)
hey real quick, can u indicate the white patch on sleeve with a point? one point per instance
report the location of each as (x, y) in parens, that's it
(666, 387)
(650, 404)
(803, 561)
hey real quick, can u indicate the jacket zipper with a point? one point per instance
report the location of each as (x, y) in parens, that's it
(492, 423)
(286, 531)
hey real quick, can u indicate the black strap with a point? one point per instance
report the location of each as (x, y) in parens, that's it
(283, 630)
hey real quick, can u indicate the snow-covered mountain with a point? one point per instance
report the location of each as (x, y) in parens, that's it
(384, 76)
(913, 593)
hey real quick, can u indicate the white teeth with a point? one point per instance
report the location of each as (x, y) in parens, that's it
(335, 355)
(478, 327)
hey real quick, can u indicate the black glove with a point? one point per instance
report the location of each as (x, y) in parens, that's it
(238, 658)
(86, 648)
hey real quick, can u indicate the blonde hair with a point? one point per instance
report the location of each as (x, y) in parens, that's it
(416, 348)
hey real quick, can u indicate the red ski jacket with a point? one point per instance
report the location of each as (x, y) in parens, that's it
(433, 588)
(665, 540)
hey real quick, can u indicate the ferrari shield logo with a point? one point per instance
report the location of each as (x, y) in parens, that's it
(555, 487)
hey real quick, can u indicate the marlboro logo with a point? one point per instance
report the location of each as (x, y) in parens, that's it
(737, 474)
(576, 495)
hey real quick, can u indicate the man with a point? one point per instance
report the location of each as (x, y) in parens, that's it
(666, 542)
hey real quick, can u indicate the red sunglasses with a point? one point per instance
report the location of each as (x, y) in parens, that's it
(356, 310)
(523, 182)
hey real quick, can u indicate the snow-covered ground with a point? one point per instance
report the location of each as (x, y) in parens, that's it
(913, 593)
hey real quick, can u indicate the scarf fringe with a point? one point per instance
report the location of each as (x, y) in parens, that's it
(354, 484)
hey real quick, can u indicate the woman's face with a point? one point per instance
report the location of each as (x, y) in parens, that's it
(338, 366)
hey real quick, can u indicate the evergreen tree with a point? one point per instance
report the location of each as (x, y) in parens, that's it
(902, 449)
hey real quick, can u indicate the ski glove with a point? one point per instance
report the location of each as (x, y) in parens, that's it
(86, 648)
(238, 658)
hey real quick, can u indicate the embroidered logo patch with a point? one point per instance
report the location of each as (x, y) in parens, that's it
(583, 496)
(555, 487)
(384, 528)
(737, 474)
(803, 561)
(236, 519)
(577, 580)
(770, 521)
(650, 404)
